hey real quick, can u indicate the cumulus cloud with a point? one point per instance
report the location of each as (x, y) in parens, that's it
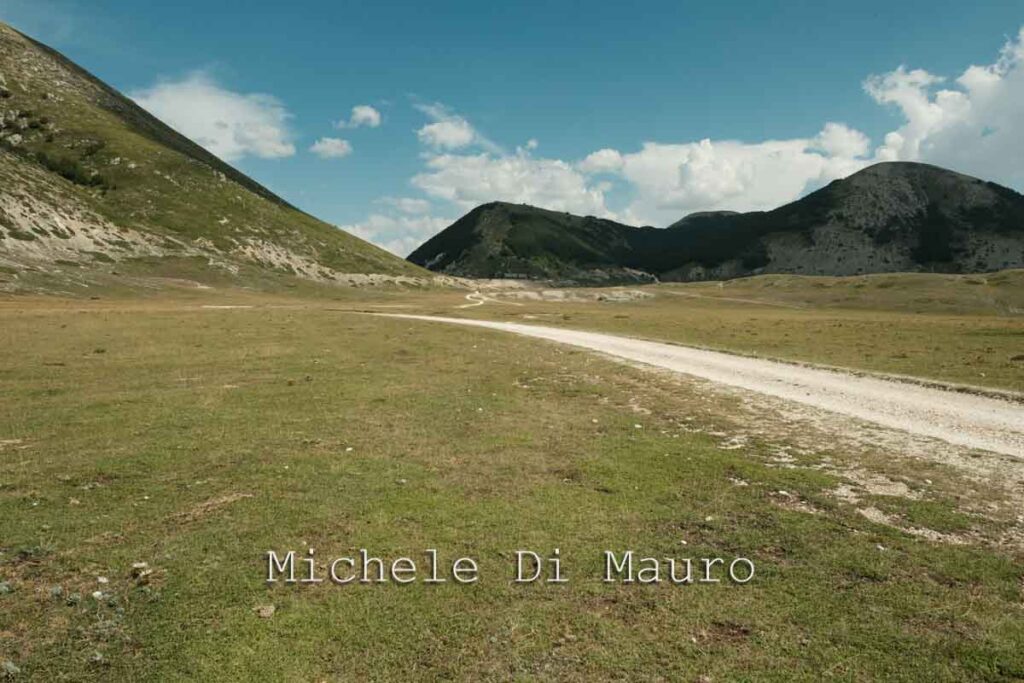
(398, 234)
(972, 125)
(451, 134)
(229, 124)
(602, 161)
(362, 115)
(671, 180)
(449, 131)
(839, 140)
(331, 148)
(471, 177)
(467, 180)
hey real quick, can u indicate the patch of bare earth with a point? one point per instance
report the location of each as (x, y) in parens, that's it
(210, 506)
(870, 460)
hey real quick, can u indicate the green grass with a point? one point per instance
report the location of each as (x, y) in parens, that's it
(185, 411)
(957, 329)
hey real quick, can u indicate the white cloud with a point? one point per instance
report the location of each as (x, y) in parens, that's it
(467, 180)
(398, 234)
(838, 139)
(602, 161)
(671, 180)
(908, 90)
(451, 134)
(331, 148)
(229, 124)
(449, 131)
(362, 115)
(973, 126)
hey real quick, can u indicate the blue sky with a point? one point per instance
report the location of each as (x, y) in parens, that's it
(741, 105)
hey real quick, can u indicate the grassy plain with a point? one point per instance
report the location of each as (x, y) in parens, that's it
(195, 439)
(950, 328)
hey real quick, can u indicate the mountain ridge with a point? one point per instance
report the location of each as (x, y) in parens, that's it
(888, 217)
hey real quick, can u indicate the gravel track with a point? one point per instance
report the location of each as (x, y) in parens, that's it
(959, 418)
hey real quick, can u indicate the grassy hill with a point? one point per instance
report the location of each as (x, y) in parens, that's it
(89, 179)
(891, 217)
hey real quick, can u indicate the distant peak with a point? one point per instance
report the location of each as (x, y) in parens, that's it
(891, 168)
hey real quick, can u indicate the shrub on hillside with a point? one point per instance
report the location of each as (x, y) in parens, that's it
(71, 169)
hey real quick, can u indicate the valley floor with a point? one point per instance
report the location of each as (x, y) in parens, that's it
(195, 432)
(993, 423)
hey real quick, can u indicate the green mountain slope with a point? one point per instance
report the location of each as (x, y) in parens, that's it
(520, 241)
(892, 217)
(88, 178)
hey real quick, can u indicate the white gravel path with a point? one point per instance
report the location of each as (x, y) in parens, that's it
(958, 418)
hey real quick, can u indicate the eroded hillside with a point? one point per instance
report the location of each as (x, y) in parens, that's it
(89, 179)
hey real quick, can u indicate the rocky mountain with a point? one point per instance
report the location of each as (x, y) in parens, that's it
(95, 189)
(890, 217)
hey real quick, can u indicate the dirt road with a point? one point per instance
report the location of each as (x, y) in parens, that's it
(955, 417)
